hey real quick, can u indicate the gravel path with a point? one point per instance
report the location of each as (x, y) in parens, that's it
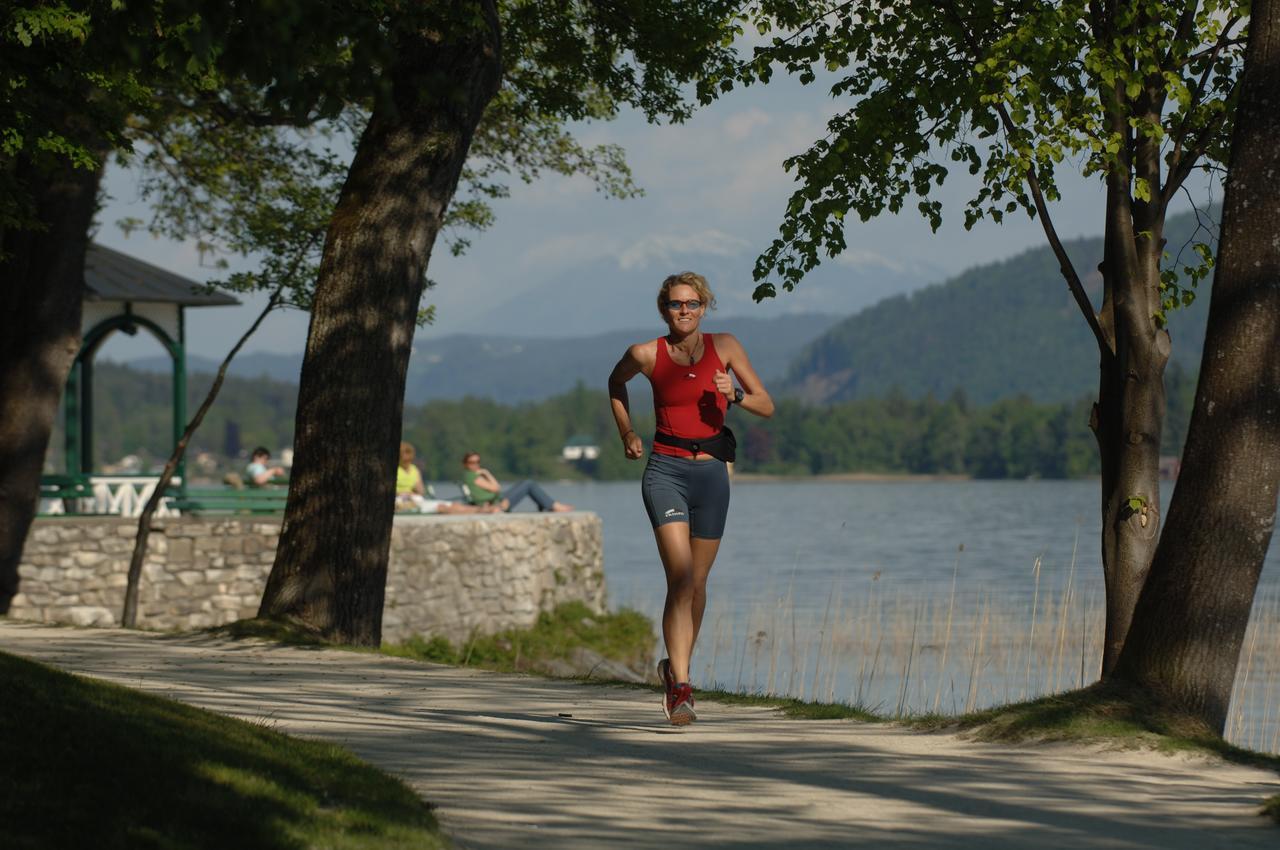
(512, 760)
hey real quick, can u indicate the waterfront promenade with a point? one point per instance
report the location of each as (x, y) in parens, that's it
(512, 760)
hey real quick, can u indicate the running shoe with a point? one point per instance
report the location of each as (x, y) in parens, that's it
(682, 713)
(668, 685)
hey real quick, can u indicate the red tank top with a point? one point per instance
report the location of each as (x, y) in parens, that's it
(685, 400)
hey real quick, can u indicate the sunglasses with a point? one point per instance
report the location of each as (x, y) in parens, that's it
(692, 304)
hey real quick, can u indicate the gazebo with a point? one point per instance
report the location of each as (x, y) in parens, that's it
(122, 293)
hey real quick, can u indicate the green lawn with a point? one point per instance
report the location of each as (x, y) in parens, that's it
(90, 764)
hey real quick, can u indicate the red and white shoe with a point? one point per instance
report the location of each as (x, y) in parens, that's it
(668, 685)
(682, 713)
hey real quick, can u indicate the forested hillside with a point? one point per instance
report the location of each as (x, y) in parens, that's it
(993, 332)
(1012, 438)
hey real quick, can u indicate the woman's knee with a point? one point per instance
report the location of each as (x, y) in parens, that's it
(682, 586)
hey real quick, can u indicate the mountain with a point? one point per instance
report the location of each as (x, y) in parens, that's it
(994, 331)
(618, 294)
(514, 369)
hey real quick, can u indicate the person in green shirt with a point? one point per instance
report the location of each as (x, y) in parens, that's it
(481, 488)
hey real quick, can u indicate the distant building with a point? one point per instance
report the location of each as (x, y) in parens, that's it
(579, 448)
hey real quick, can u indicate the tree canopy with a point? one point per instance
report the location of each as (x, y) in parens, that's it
(1010, 91)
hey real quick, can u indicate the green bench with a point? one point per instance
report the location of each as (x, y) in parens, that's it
(228, 500)
(66, 487)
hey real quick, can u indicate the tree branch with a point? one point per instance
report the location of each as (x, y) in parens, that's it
(1186, 162)
(1042, 210)
(1064, 261)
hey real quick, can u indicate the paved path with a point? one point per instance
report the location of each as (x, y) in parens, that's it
(511, 760)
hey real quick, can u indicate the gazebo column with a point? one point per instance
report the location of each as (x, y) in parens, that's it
(71, 421)
(178, 350)
(86, 416)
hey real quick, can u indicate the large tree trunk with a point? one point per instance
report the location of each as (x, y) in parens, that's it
(43, 275)
(1190, 621)
(330, 569)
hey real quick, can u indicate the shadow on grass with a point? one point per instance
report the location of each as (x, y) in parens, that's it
(86, 763)
(1101, 713)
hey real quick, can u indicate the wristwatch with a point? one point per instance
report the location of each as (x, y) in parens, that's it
(738, 395)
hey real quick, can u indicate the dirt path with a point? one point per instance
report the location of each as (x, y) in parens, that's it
(511, 760)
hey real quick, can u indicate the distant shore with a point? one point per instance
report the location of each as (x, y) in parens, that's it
(849, 476)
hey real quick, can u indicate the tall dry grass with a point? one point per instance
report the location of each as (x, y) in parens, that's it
(910, 649)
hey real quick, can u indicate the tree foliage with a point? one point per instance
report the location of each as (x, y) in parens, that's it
(1010, 92)
(1012, 438)
(294, 138)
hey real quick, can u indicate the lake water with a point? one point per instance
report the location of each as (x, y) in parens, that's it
(908, 595)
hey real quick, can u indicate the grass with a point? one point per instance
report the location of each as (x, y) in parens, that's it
(624, 636)
(1272, 808)
(791, 707)
(87, 763)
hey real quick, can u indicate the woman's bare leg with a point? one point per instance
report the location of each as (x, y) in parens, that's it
(687, 562)
(677, 612)
(704, 556)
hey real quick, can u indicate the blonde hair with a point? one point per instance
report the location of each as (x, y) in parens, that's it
(691, 279)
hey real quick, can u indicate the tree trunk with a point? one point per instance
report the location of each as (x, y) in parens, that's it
(1129, 415)
(1190, 621)
(43, 274)
(330, 569)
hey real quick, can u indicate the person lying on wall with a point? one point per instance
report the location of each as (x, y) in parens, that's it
(412, 494)
(481, 487)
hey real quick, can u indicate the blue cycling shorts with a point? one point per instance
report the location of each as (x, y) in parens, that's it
(681, 489)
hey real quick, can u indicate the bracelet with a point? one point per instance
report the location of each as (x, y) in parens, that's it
(626, 432)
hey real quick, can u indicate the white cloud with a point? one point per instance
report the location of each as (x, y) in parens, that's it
(742, 124)
(663, 247)
(861, 258)
(569, 250)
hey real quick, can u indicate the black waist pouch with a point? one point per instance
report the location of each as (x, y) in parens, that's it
(723, 446)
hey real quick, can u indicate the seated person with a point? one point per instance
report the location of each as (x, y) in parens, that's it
(413, 495)
(258, 472)
(482, 488)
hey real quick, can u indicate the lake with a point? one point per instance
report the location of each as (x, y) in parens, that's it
(908, 595)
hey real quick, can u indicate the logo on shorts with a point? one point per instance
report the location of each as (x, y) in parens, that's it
(672, 512)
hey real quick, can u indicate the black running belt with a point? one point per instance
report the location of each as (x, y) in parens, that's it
(722, 446)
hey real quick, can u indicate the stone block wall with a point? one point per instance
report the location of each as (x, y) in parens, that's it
(448, 575)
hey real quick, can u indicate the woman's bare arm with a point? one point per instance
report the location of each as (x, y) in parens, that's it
(633, 362)
(755, 398)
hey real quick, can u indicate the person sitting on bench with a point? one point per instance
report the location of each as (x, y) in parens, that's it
(258, 473)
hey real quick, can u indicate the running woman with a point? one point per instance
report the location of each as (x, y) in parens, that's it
(686, 480)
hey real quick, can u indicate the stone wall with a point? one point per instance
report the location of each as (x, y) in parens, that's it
(448, 575)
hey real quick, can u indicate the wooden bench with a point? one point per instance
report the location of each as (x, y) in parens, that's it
(228, 500)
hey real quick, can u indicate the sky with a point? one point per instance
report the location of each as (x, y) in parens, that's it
(563, 260)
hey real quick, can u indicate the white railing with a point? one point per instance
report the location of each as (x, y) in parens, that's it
(120, 495)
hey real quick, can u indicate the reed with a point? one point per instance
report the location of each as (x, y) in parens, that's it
(892, 646)
(946, 641)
